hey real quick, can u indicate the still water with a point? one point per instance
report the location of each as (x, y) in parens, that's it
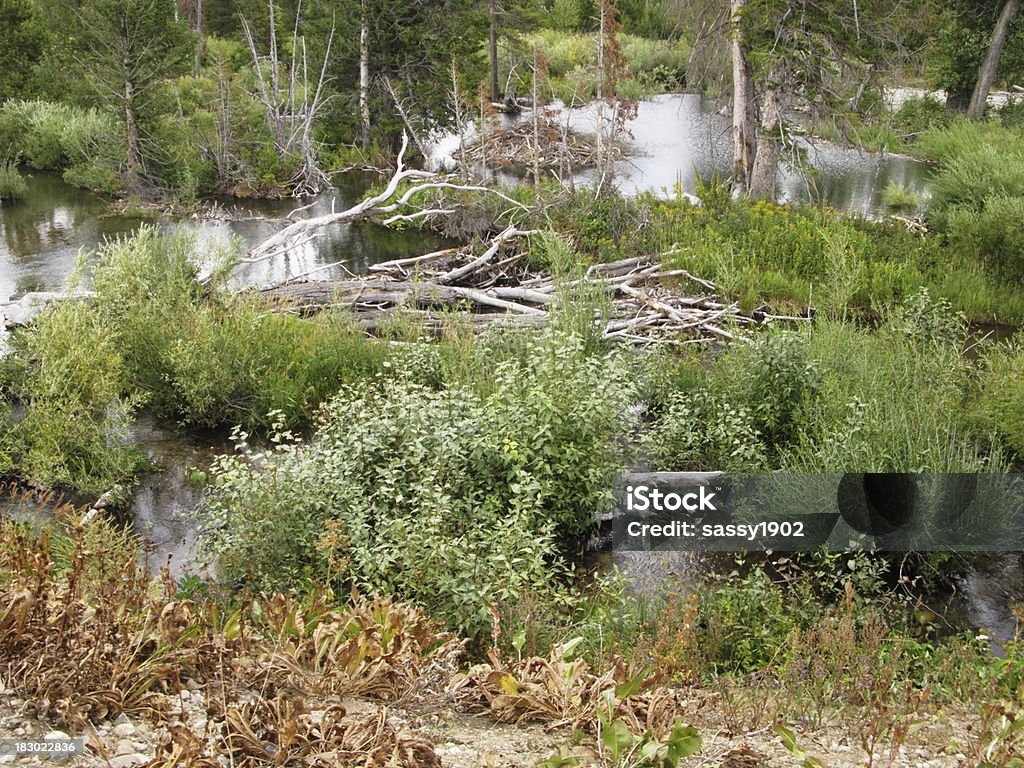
(43, 235)
(678, 138)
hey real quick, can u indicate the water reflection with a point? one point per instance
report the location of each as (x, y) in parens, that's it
(42, 235)
(677, 138)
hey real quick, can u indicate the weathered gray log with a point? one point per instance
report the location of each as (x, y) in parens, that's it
(24, 310)
(315, 295)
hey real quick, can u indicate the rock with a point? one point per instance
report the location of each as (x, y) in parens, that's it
(124, 730)
(127, 761)
(124, 747)
(24, 310)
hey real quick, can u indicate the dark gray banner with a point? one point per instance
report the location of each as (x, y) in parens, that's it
(803, 512)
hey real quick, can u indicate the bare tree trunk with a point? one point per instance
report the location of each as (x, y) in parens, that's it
(133, 164)
(364, 78)
(536, 127)
(599, 92)
(199, 38)
(763, 177)
(744, 140)
(492, 49)
(987, 72)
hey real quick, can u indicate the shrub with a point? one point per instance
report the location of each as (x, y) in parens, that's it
(452, 499)
(703, 430)
(76, 428)
(215, 358)
(12, 183)
(81, 142)
(54, 136)
(917, 115)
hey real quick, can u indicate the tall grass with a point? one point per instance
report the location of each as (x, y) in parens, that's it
(978, 194)
(12, 183)
(834, 397)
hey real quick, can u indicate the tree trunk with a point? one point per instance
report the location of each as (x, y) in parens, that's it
(199, 38)
(133, 158)
(764, 176)
(492, 49)
(364, 78)
(987, 72)
(744, 141)
(599, 93)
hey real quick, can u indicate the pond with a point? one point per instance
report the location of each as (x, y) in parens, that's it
(42, 235)
(678, 138)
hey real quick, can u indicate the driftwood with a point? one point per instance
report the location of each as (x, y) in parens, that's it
(384, 208)
(542, 142)
(648, 305)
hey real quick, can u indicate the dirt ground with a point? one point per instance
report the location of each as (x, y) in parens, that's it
(464, 740)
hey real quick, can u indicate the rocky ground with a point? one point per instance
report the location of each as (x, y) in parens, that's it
(467, 741)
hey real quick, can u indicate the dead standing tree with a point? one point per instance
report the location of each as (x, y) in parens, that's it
(383, 208)
(290, 103)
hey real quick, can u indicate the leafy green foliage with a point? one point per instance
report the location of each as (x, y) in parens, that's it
(12, 183)
(22, 35)
(452, 499)
(653, 66)
(213, 359)
(81, 142)
(75, 431)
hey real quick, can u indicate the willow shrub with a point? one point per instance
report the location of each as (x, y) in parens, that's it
(12, 184)
(75, 431)
(80, 141)
(456, 500)
(836, 397)
(211, 358)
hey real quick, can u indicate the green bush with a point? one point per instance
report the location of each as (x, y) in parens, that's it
(54, 136)
(76, 428)
(653, 66)
(12, 183)
(917, 115)
(452, 499)
(210, 358)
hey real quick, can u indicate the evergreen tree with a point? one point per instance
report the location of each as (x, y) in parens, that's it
(126, 49)
(21, 45)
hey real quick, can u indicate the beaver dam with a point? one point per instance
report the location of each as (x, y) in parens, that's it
(542, 141)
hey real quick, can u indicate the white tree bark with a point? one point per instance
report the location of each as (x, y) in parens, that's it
(987, 71)
(364, 78)
(744, 140)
